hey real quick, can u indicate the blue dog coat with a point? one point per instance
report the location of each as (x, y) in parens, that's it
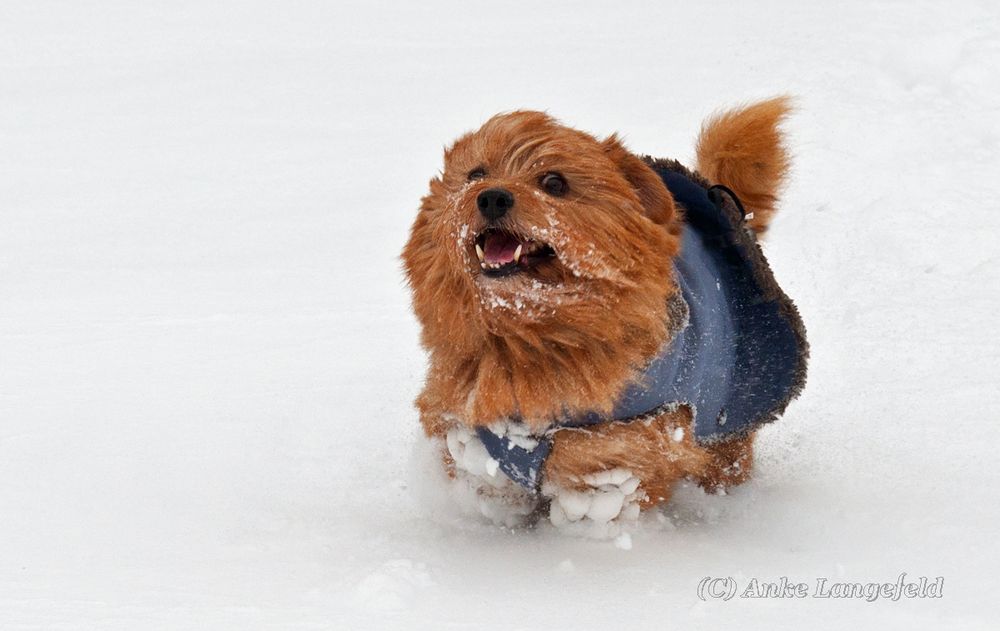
(738, 360)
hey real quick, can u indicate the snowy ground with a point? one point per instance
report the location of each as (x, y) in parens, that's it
(207, 359)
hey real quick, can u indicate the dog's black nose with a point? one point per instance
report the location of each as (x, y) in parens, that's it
(494, 202)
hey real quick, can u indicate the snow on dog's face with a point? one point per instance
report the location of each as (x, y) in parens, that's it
(545, 245)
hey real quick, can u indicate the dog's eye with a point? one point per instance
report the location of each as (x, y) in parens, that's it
(477, 174)
(554, 184)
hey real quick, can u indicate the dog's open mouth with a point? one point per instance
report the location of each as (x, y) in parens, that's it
(502, 253)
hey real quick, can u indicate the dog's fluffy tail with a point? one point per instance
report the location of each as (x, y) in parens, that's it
(743, 149)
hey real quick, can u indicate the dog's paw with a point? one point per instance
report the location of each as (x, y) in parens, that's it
(603, 510)
(478, 476)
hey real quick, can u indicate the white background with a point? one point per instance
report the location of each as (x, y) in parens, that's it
(207, 358)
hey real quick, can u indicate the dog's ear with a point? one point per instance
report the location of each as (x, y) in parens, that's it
(656, 200)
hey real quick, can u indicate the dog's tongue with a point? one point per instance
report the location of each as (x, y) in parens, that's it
(498, 248)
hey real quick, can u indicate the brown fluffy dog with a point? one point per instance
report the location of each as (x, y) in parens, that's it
(585, 304)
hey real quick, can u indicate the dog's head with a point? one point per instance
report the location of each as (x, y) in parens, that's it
(545, 245)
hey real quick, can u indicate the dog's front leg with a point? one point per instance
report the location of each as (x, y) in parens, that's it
(479, 480)
(600, 476)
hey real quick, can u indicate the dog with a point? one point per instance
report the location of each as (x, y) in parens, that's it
(593, 319)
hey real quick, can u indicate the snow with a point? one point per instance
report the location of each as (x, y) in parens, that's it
(208, 361)
(470, 455)
(574, 505)
(623, 541)
(607, 508)
(606, 505)
(478, 487)
(517, 434)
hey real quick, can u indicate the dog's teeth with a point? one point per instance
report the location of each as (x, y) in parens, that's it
(479, 252)
(517, 252)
